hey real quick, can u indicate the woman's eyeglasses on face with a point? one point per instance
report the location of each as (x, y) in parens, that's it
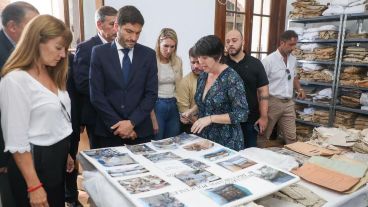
(65, 112)
(288, 73)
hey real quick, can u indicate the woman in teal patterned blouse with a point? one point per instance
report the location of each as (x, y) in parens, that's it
(220, 97)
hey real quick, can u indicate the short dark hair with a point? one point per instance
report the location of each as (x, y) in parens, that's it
(191, 52)
(288, 34)
(210, 46)
(16, 11)
(104, 11)
(130, 14)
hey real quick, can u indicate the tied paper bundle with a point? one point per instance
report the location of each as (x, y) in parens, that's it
(325, 53)
(303, 133)
(336, 136)
(326, 35)
(338, 174)
(355, 54)
(344, 119)
(351, 35)
(320, 117)
(306, 9)
(350, 98)
(352, 75)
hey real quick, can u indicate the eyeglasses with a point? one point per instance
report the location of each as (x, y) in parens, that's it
(65, 112)
(288, 73)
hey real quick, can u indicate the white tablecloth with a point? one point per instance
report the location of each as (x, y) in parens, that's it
(104, 194)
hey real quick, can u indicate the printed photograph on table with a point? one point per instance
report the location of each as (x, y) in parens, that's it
(184, 138)
(195, 164)
(236, 163)
(165, 144)
(127, 170)
(195, 177)
(143, 184)
(104, 152)
(273, 175)
(199, 146)
(111, 157)
(218, 154)
(140, 149)
(227, 193)
(162, 157)
(162, 200)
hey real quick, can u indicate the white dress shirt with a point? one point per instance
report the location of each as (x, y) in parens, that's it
(279, 84)
(31, 113)
(121, 54)
(102, 39)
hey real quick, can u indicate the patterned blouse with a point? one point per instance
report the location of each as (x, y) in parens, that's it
(226, 95)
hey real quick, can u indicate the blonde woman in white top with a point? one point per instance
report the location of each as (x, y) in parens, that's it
(165, 117)
(35, 113)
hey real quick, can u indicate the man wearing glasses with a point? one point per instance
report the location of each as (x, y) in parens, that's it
(280, 69)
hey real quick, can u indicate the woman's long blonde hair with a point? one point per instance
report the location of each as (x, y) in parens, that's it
(167, 33)
(39, 30)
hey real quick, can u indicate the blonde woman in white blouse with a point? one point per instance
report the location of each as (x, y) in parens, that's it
(165, 117)
(35, 113)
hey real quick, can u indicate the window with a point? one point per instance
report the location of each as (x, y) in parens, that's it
(260, 21)
(260, 28)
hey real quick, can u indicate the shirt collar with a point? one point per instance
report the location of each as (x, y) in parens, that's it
(119, 47)
(10, 39)
(278, 53)
(102, 39)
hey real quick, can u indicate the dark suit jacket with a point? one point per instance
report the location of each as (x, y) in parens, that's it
(6, 47)
(115, 100)
(75, 99)
(76, 104)
(80, 73)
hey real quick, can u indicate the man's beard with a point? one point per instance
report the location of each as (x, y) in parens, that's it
(235, 53)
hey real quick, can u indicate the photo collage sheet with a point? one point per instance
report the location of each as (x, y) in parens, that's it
(173, 171)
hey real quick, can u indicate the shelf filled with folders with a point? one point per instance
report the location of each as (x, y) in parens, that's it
(308, 83)
(317, 62)
(310, 123)
(311, 103)
(354, 64)
(319, 19)
(344, 108)
(311, 113)
(319, 41)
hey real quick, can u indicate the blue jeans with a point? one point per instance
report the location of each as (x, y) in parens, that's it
(167, 116)
(250, 134)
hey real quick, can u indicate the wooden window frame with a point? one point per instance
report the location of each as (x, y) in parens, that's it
(277, 23)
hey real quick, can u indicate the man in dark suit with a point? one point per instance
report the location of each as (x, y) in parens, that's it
(14, 18)
(105, 18)
(71, 188)
(124, 84)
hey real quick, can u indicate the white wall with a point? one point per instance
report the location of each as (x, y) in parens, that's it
(52, 7)
(89, 9)
(191, 19)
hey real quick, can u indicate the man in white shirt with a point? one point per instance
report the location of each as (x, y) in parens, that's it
(280, 69)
